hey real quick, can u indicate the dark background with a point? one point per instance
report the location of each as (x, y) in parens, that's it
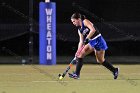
(121, 27)
(110, 10)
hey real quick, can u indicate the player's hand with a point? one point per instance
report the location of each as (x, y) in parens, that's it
(86, 41)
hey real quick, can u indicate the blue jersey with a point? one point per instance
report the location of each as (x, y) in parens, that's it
(96, 41)
(85, 31)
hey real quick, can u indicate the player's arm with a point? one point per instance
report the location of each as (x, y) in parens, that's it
(80, 44)
(81, 39)
(88, 24)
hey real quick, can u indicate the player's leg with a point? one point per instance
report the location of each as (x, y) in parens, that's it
(85, 51)
(100, 58)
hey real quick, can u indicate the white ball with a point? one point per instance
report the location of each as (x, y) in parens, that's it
(60, 77)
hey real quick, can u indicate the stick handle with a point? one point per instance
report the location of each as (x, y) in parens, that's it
(71, 63)
(68, 68)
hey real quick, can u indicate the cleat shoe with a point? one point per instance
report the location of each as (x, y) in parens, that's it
(70, 75)
(116, 73)
(73, 76)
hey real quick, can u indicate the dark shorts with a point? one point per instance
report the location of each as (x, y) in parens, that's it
(98, 43)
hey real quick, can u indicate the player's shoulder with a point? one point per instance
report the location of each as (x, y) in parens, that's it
(87, 22)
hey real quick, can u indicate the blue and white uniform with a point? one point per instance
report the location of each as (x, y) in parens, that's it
(96, 41)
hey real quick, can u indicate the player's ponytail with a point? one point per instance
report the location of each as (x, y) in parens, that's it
(83, 17)
(78, 15)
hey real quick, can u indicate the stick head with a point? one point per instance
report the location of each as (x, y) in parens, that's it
(60, 77)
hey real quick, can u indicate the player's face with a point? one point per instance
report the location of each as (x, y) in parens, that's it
(75, 22)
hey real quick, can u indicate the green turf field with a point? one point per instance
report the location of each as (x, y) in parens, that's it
(43, 79)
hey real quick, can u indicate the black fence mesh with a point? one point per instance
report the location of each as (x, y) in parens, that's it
(121, 28)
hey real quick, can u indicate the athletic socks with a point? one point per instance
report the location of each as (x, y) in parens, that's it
(108, 66)
(79, 65)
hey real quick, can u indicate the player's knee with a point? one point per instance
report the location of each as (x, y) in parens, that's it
(81, 55)
(100, 60)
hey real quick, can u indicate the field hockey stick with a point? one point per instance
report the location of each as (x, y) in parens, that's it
(61, 76)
